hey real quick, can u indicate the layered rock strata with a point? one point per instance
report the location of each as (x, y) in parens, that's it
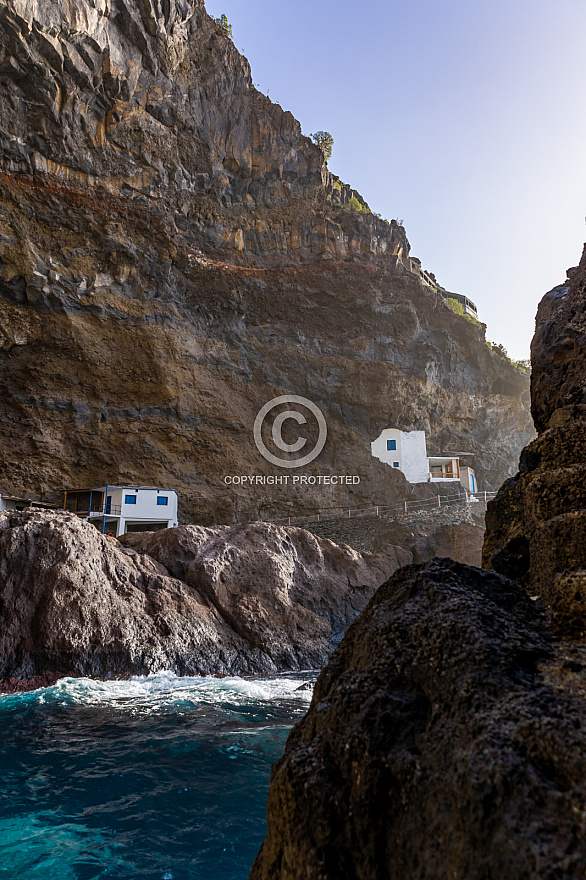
(536, 526)
(242, 599)
(445, 739)
(174, 253)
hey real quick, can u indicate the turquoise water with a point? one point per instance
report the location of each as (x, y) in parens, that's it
(155, 778)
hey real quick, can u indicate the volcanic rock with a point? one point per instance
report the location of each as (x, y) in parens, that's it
(536, 526)
(445, 739)
(173, 255)
(229, 600)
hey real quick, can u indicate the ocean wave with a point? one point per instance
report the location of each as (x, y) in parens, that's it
(166, 689)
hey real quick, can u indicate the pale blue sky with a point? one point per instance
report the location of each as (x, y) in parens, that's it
(463, 119)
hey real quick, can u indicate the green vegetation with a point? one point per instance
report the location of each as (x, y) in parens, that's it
(458, 308)
(325, 141)
(224, 24)
(455, 306)
(524, 366)
(355, 205)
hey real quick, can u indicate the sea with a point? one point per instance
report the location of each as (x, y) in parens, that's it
(154, 778)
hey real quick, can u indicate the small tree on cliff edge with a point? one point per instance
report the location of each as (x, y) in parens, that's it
(224, 23)
(324, 141)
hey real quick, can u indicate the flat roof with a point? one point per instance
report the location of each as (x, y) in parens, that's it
(111, 486)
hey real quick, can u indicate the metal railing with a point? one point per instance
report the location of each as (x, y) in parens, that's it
(111, 510)
(386, 510)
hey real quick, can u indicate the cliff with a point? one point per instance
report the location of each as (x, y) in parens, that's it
(174, 253)
(536, 526)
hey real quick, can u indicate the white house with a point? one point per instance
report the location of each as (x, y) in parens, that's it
(407, 451)
(404, 450)
(119, 509)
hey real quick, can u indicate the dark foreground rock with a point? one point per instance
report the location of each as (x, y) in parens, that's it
(536, 526)
(445, 739)
(243, 599)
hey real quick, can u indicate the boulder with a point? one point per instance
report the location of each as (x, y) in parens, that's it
(461, 542)
(231, 600)
(269, 581)
(445, 739)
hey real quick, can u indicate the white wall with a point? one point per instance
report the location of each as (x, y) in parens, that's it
(146, 506)
(145, 509)
(411, 453)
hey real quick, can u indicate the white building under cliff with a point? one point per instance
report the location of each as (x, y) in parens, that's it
(407, 451)
(116, 510)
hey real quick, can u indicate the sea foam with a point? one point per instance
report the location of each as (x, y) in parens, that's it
(165, 689)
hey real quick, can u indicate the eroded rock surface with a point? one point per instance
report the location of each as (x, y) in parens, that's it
(446, 739)
(536, 526)
(242, 599)
(174, 253)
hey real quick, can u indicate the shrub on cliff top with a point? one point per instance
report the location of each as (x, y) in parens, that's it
(354, 205)
(224, 24)
(325, 141)
(458, 308)
(455, 306)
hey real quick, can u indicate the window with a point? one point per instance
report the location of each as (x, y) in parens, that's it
(391, 444)
(395, 464)
(130, 499)
(162, 500)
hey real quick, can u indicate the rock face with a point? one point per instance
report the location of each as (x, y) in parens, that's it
(241, 599)
(455, 530)
(174, 253)
(445, 739)
(536, 526)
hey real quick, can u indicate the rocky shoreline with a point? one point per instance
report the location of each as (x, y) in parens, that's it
(245, 599)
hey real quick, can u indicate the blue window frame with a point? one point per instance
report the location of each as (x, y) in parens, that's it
(162, 501)
(130, 499)
(395, 464)
(391, 444)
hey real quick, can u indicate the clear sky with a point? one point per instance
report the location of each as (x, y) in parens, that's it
(463, 119)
